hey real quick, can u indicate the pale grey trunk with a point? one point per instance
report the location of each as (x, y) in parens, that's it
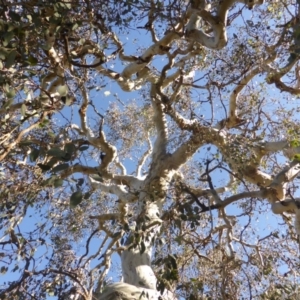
(136, 266)
(139, 280)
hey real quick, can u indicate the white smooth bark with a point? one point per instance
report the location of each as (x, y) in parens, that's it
(124, 291)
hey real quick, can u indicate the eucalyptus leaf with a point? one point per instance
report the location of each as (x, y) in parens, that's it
(26, 143)
(87, 195)
(83, 148)
(34, 154)
(297, 157)
(58, 183)
(62, 90)
(23, 110)
(56, 152)
(80, 181)
(8, 103)
(48, 181)
(32, 60)
(7, 38)
(44, 167)
(60, 167)
(3, 53)
(75, 199)
(10, 59)
(70, 148)
(10, 94)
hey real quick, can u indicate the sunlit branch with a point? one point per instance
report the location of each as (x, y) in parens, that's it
(77, 129)
(286, 175)
(88, 48)
(297, 222)
(106, 264)
(177, 89)
(200, 136)
(8, 135)
(182, 122)
(131, 181)
(82, 113)
(121, 167)
(129, 58)
(201, 256)
(285, 88)
(144, 158)
(55, 77)
(275, 75)
(222, 141)
(143, 73)
(12, 107)
(160, 123)
(200, 11)
(125, 84)
(233, 118)
(171, 78)
(98, 142)
(79, 169)
(118, 190)
(121, 216)
(164, 70)
(234, 198)
(229, 243)
(58, 81)
(106, 217)
(219, 38)
(287, 205)
(227, 227)
(268, 147)
(185, 151)
(164, 80)
(139, 64)
(252, 174)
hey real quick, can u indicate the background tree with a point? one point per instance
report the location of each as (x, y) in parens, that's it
(200, 144)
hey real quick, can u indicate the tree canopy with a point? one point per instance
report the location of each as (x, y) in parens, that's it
(149, 149)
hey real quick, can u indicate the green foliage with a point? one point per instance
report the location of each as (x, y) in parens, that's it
(297, 157)
(75, 199)
(34, 154)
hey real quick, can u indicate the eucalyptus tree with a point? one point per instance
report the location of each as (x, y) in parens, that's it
(185, 185)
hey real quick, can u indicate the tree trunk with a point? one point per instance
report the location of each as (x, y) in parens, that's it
(139, 280)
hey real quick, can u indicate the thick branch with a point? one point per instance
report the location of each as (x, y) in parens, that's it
(79, 169)
(219, 38)
(283, 177)
(160, 123)
(144, 158)
(124, 291)
(118, 190)
(98, 142)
